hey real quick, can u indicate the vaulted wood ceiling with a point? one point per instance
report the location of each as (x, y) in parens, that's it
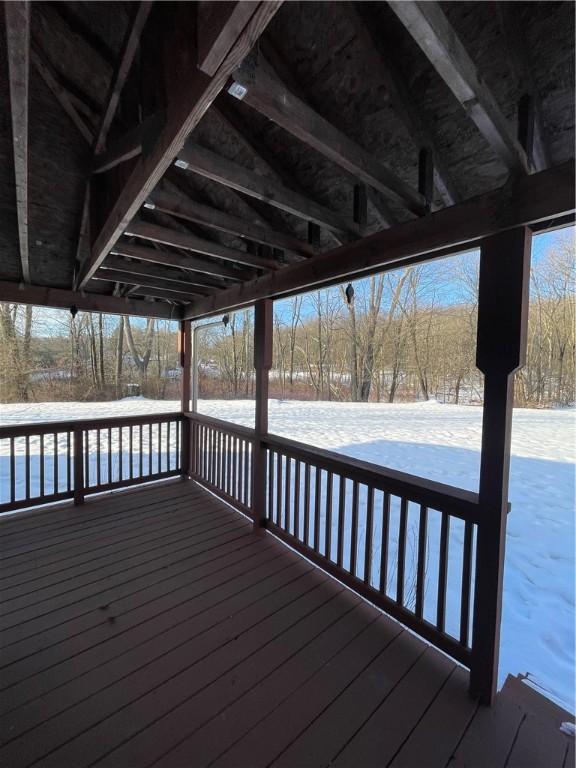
(171, 152)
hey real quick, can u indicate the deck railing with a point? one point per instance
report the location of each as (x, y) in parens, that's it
(406, 544)
(43, 463)
(221, 459)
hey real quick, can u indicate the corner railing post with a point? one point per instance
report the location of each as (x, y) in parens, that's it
(78, 465)
(501, 349)
(262, 364)
(184, 340)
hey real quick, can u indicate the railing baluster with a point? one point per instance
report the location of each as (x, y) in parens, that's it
(443, 572)
(306, 503)
(317, 497)
(131, 449)
(466, 583)
(230, 455)
(168, 451)
(79, 483)
(247, 495)
(55, 465)
(120, 455)
(12, 471)
(234, 467)
(98, 457)
(296, 514)
(241, 471)
(42, 465)
(288, 494)
(384, 543)
(150, 449)
(159, 431)
(328, 538)
(27, 481)
(110, 474)
(354, 531)
(140, 451)
(341, 513)
(279, 489)
(368, 537)
(421, 572)
(401, 551)
(68, 459)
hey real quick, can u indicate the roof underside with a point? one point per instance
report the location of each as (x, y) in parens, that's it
(364, 96)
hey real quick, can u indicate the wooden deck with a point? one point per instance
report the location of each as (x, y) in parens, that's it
(153, 627)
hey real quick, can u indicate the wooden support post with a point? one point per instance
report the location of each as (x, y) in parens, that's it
(262, 363)
(501, 350)
(185, 350)
(78, 465)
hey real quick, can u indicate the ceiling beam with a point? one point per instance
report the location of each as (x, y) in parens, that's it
(129, 49)
(175, 259)
(191, 242)
(218, 29)
(190, 92)
(17, 15)
(181, 206)
(90, 302)
(266, 94)
(195, 284)
(158, 293)
(64, 98)
(547, 195)
(205, 163)
(405, 106)
(284, 72)
(432, 31)
(129, 278)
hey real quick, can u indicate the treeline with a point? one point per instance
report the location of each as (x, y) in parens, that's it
(405, 335)
(49, 355)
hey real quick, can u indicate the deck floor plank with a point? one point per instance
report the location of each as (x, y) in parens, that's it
(152, 627)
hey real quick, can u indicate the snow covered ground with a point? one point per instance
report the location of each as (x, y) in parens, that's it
(442, 442)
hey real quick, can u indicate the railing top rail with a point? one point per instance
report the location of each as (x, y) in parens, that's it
(49, 427)
(456, 501)
(225, 426)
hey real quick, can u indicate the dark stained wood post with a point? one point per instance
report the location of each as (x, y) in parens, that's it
(185, 349)
(78, 465)
(262, 364)
(501, 350)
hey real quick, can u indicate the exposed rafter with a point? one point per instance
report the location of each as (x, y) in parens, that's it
(177, 204)
(430, 28)
(18, 43)
(175, 259)
(218, 29)
(128, 278)
(405, 106)
(190, 93)
(532, 199)
(159, 293)
(190, 242)
(284, 73)
(195, 283)
(270, 97)
(129, 49)
(210, 165)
